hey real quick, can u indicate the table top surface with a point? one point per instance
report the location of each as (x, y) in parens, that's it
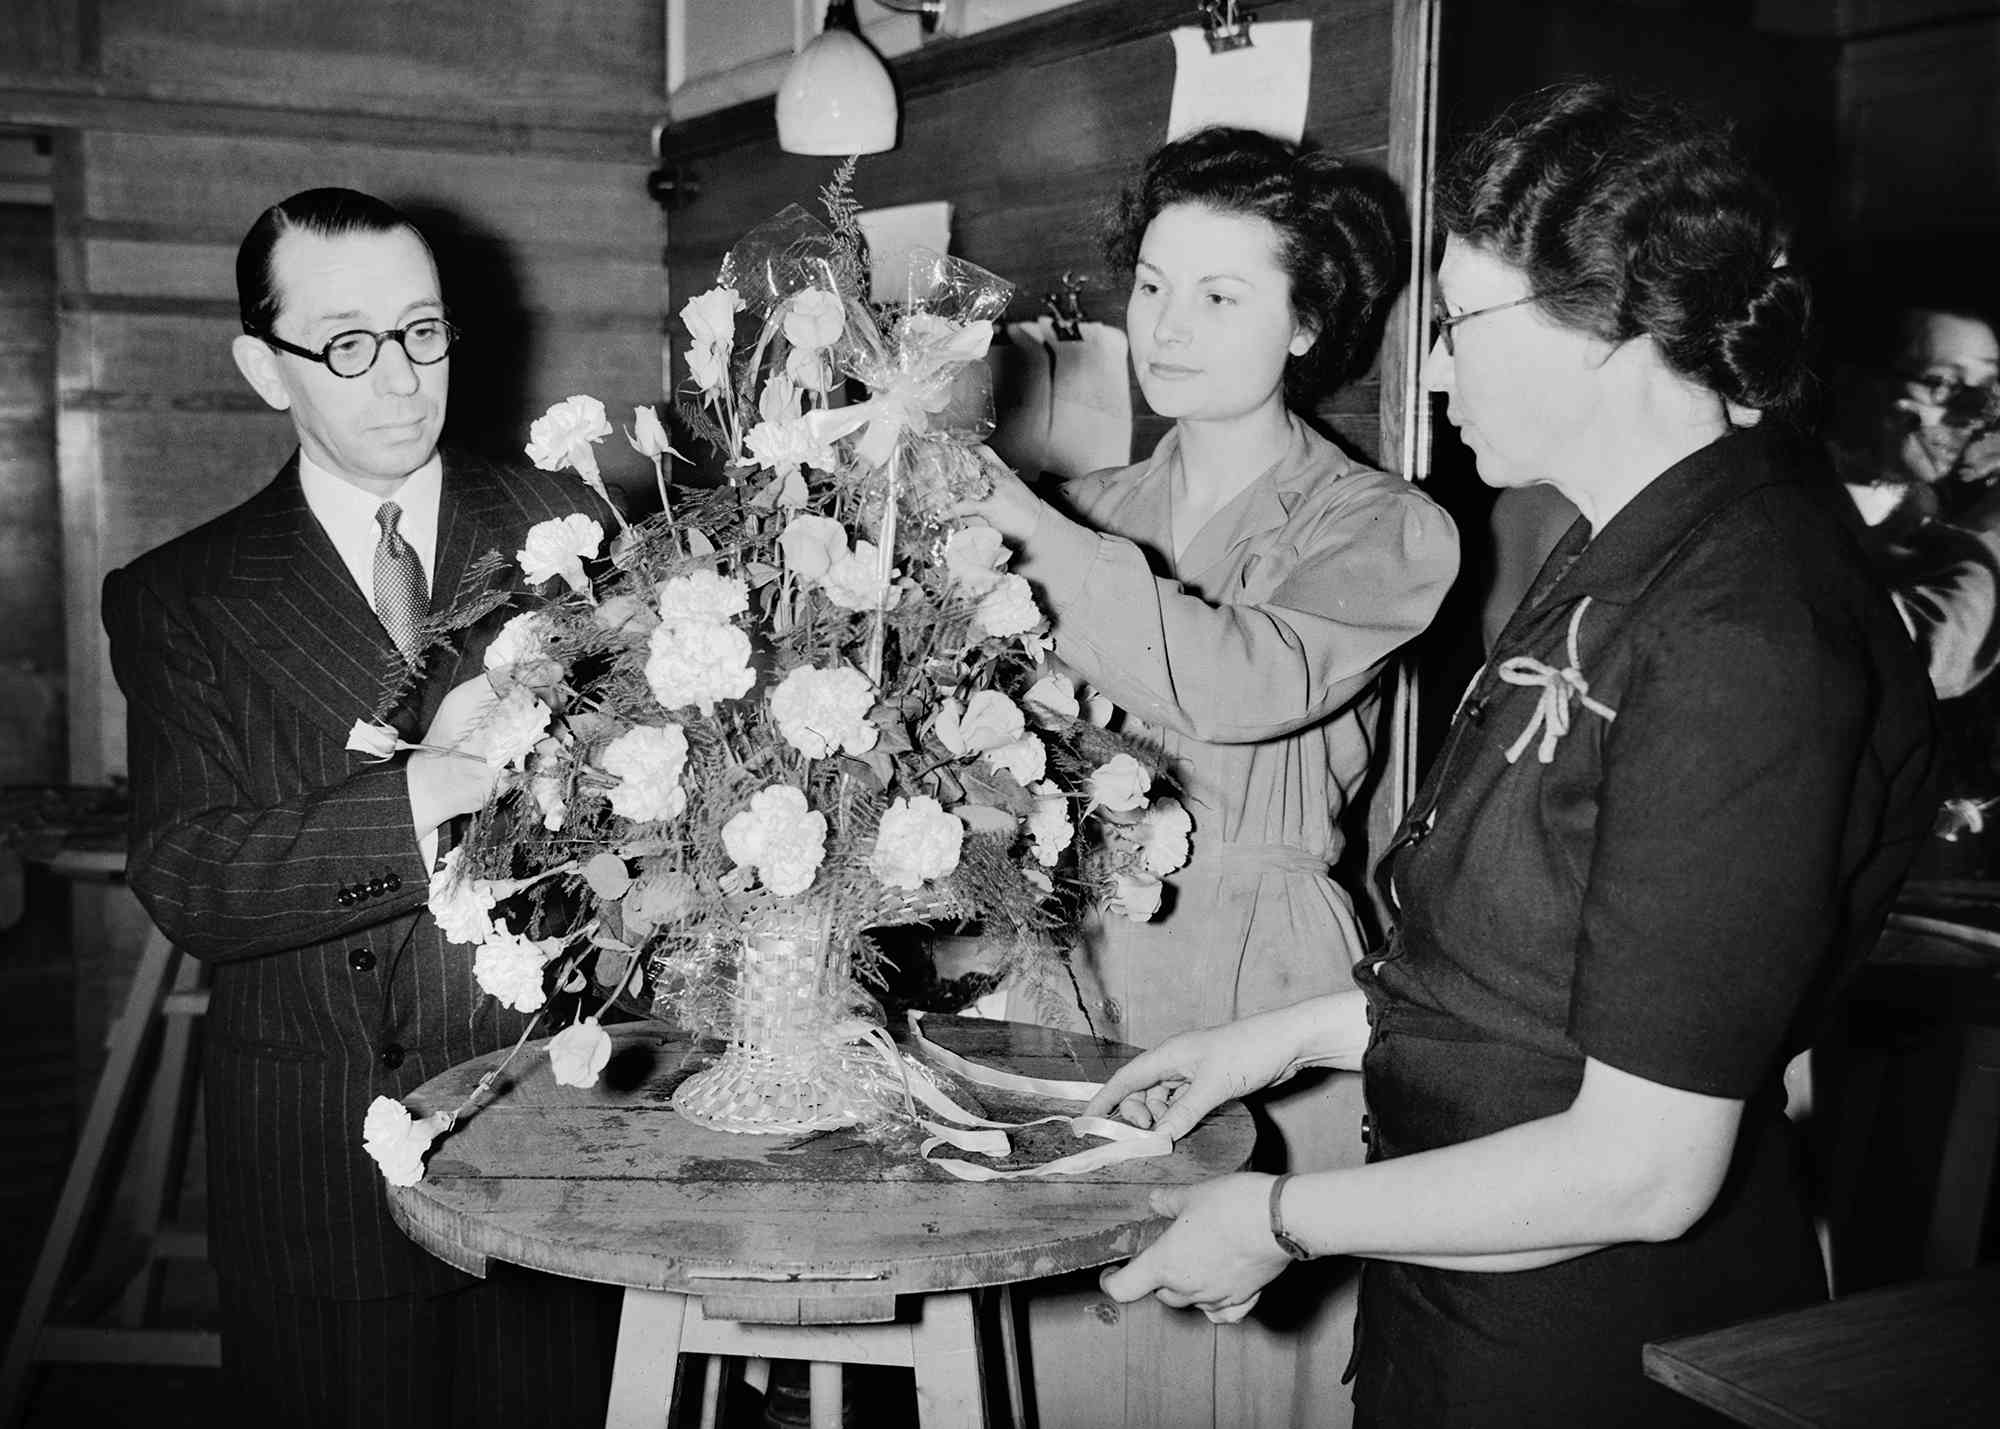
(1913, 1356)
(612, 1184)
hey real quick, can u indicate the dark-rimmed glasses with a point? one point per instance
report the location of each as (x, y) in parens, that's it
(1445, 322)
(1948, 389)
(353, 354)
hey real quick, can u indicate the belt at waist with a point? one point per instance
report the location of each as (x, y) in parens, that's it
(1254, 858)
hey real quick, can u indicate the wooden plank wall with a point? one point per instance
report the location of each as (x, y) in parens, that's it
(1029, 132)
(31, 623)
(516, 131)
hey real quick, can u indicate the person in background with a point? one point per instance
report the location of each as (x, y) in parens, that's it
(1668, 818)
(1236, 596)
(298, 870)
(1917, 449)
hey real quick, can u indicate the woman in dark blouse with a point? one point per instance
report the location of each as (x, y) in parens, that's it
(1670, 813)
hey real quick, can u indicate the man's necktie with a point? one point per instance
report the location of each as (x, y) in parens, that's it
(401, 597)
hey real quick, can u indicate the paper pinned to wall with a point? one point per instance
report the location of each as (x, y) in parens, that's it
(1262, 86)
(892, 234)
(1090, 402)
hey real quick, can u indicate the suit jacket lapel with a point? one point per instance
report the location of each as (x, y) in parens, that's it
(474, 517)
(287, 601)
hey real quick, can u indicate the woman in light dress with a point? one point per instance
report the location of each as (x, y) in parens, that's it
(1236, 596)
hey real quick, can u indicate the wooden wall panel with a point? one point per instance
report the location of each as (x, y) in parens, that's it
(31, 625)
(1030, 152)
(552, 61)
(45, 36)
(205, 187)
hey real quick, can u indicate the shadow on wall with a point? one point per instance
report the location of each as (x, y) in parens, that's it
(485, 298)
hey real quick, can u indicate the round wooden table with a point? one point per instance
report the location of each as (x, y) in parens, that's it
(793, 1247)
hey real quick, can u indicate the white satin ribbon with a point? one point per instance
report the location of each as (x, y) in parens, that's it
(980, 1136)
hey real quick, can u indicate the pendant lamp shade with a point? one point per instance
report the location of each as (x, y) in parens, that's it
(837, 97)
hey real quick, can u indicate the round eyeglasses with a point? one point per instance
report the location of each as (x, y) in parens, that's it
(352, 354)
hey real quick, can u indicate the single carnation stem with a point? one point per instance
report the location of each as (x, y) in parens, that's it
(631, 968)
(441, 749)
(660, 476)
(485, 1083)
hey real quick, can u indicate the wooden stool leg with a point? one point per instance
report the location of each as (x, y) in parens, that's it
(1010, 1357)
(649, 1349)
(1965, 1172)
(711, 1390)
(161, 1139)
(823, 1379)
(114, 1085)
(951, 1388)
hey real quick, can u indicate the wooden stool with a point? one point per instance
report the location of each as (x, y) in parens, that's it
(799, 1247)
(942, 1346)
(165, 987)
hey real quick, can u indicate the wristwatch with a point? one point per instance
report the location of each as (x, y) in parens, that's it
(1278, 1232)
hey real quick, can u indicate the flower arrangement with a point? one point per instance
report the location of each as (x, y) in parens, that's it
(808, 697)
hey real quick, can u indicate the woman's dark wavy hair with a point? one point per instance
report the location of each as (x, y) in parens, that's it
(1631, 217)
(1342, 238)
(325, 213)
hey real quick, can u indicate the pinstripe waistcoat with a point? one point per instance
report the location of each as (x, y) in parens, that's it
(262, 846)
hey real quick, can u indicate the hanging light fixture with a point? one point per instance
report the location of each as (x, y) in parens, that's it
(837, 97)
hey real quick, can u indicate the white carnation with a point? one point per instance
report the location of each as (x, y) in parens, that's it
(819, 711)
(462, 907)
(780, 837)
(785, 446)
(1163, 836)
(696, 662)
(563, 436)
(704, 595)
(579, 1052)
(559, 547)
(974, 556)
(1050, 826)
(917, 841)
(1008, 608)
(647, 760)
(1120, 784)
(397, 1141)
(1026, 758)
(519, 639)
(853, 582)
(510, 729)
(509, 967)
(1136, 895)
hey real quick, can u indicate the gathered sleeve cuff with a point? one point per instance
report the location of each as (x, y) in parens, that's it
(1362, 577)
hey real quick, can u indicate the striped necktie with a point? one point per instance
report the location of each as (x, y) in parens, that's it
(401, 596)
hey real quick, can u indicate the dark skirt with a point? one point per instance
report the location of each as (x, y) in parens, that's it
(1560, 1346)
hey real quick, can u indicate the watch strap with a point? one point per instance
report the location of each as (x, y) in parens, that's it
(1278, 1232)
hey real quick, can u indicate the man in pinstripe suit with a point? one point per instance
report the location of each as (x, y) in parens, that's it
(297, 870)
